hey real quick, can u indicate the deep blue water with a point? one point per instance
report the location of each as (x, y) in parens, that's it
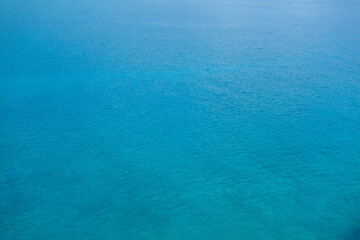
(174, 120)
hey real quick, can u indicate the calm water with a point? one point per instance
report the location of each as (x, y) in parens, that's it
(174, 120)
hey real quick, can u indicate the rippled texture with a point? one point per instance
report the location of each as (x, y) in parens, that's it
(194, 119)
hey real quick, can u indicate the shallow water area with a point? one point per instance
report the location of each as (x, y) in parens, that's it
(200, 120)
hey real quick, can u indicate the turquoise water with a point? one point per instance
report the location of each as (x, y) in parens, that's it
(173, 120)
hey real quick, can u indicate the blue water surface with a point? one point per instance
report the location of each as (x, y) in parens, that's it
(180, 120)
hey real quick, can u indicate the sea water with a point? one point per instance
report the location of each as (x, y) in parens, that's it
(174, 120)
